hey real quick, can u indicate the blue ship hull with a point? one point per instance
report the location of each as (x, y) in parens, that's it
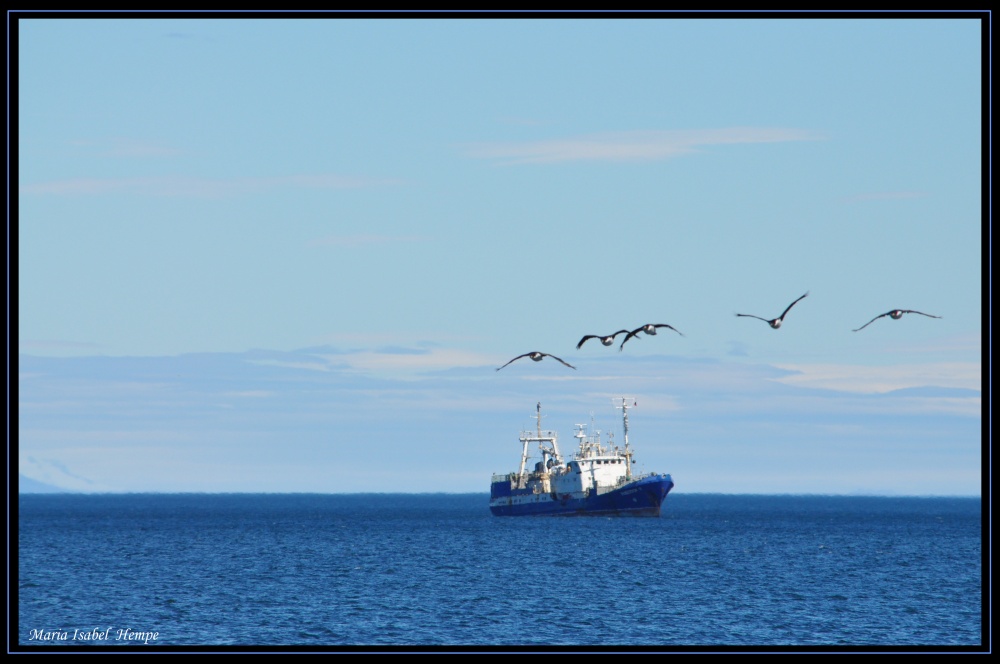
(643, 497)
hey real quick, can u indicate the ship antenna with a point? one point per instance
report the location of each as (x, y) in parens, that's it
(538, 417)
(625, 419)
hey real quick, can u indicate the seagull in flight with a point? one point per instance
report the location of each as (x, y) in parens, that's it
(607, 341)
(895, 314)
(537, 357)
(650, 329)
(775, 322)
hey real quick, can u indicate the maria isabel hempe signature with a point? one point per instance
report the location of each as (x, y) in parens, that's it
(94, 635)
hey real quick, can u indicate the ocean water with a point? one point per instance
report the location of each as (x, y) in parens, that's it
(436, 570)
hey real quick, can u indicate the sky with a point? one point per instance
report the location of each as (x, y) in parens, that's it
(290, 254)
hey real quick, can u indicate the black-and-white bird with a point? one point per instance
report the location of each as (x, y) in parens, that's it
(606, 340)
(895, 314)
(775, 322)
(537, 357)
(650, 329)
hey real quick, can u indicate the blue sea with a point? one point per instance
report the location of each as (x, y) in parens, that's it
(438, 571)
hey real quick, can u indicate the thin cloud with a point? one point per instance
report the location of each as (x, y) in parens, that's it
(965, 343)
(193, 187)
(881, 379)
(398, 362)
(408, 339)
(318, 365)
(431, 360)
(634, 145)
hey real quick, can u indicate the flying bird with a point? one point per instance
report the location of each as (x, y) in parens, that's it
(650, 329)
(607, 341)
(537, 357)
(775, 322)
(895, 314)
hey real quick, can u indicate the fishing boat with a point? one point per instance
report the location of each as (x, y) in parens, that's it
(597, 481)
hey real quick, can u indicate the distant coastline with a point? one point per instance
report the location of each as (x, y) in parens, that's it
(28, 485)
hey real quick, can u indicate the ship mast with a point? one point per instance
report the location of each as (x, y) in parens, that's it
(540, 439)
(628, 450)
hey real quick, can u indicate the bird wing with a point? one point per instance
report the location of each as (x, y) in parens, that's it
(669, 326)
(757, 317)
(629, 336)
(872, 321)
(563, 361)
(589, 336)
(516, 358)
(791, 305)
(619, 332)
(911, 311)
